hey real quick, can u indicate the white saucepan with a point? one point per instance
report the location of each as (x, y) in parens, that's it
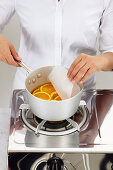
(49, 110)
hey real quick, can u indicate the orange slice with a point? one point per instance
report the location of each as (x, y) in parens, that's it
(46, 92)
(35, 91)
(57, 98)
(48, 88)
(53, 95)
(43, 95)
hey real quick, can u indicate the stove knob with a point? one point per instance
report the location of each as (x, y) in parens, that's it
(55, 163)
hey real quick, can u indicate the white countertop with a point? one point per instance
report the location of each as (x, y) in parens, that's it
(4, 134)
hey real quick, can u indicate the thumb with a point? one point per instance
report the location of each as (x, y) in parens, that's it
(14, 53)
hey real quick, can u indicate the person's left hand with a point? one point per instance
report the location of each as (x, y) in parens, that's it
(83, 67)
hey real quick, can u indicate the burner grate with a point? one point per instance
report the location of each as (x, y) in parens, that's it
(64, 127)
(52, 124)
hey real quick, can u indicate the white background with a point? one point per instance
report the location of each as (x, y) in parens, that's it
(12, 32)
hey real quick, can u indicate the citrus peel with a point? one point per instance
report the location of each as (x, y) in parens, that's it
(43, 95)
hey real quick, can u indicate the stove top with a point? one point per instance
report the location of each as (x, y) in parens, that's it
(90, 125)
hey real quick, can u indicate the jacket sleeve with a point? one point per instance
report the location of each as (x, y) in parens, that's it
(7, 9)
(106, 28)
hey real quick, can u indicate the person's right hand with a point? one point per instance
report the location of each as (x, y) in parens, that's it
(8, 53)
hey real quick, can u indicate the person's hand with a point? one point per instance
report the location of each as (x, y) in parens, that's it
(85, 65)
(8, 53)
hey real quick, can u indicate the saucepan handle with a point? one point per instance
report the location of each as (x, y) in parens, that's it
(22, 64)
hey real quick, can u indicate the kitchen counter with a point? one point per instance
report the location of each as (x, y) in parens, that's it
(4, 134)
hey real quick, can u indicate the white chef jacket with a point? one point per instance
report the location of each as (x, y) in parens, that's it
(55, 33)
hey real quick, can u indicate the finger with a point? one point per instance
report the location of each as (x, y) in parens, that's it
(10, 59)
(4, 60)
(76, 69)
(85, 77)
(76, 61)
(81, 73)
(15, 57)
(14, 53)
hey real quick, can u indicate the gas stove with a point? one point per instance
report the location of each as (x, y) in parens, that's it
(85, 131)
(37, 144)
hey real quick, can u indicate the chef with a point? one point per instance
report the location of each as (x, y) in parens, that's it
(60, 32)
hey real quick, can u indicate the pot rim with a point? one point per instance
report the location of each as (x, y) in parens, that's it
(80, 85)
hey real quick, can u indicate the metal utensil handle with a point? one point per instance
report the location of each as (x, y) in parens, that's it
(21, 63)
